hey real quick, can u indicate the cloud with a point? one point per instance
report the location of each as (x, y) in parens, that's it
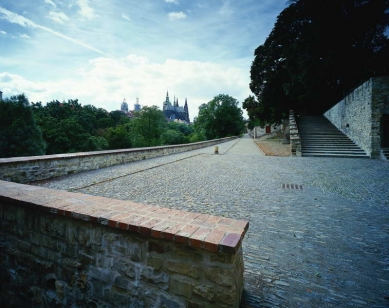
(226, 9)
(58, 17)
(172, 1)
(126, 17)
(103, 82)
(177, 15)
(50, 3)
(16, 19)
(3, 32)
(25, 36)
(24, 22)
(85, 10)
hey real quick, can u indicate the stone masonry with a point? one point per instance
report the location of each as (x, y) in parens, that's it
(358, 115)
(34, 168)
(68, 249)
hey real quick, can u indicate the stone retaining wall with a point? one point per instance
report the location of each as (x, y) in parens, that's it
(68, 249)
(358, 115)
(34, 168)
(295, 142)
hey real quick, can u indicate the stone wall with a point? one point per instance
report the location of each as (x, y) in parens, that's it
(358, 115)
(34, 168)
(62, 249)
(295, 142)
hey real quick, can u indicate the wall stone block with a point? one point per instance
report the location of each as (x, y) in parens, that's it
(358, 115)
(36, 168)
(80, 260)
(205, 291)
(220, 276)
(182, 268)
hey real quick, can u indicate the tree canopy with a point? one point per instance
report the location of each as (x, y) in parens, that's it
(66, 127)
(317, 51)
(147, 126)
(221, 117)
(19, 132)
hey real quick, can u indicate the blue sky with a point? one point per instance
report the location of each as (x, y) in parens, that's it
(103, 51)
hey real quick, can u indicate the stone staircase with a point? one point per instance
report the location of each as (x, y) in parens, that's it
(385, 153)
(319, 137)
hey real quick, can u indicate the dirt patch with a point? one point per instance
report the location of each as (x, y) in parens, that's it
(273, 147)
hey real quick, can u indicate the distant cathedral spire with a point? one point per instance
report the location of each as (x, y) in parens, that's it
(167, 98)
(186, 110)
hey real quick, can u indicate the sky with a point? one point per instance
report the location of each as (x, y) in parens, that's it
(101, 52)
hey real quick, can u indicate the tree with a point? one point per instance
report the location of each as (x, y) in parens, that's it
(181, 127)
(147, 127)
(317, 51)
(219, 118)
(19, 133)
(119, 137)
(172, 136)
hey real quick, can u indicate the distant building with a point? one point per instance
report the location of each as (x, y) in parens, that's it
(175, 112)
(137, 106)
(124, 109)
(1, 95)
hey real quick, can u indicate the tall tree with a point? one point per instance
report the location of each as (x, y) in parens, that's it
(147, 127)
(317, 51)
(220, 117)
(19, 133)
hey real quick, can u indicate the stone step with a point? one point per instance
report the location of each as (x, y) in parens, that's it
(328, 141)
(314, 148)
(320, 138)
(333, 155)
(385, 153)
(326, 144)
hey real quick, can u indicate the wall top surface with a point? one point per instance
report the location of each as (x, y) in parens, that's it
(96, 153)
(211, 233)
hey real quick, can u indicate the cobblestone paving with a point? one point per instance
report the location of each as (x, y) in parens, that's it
(325, 245)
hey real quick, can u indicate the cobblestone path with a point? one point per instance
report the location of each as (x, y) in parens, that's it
(323, 242)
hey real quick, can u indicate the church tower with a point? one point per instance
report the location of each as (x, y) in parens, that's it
(167, 101)
(124, 106)
(173, 111)
(186, 110)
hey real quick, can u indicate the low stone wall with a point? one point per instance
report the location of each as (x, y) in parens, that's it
(69, 249)
(34, 168)
(358, 115)
(295, 142)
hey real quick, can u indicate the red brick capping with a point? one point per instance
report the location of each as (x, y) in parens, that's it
(211, 233)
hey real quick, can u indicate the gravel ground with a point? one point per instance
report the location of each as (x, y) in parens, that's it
(323, 243)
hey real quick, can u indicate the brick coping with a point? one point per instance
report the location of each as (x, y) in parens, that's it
(208, 232)
(95, 153)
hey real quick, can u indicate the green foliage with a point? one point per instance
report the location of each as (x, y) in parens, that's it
(19, 133)
(147, 126)
(197, 137)
(259, 114)
(318, 51)
(70, 127)
(172, 136)
(185, 129)
(118, 137)
(119, 117)
(221, 117)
